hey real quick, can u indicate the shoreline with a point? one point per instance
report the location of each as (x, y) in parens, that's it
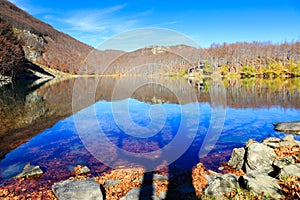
(119, 183)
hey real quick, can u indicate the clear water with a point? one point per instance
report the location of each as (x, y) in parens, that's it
(140, 130)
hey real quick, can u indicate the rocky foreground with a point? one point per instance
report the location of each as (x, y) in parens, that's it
(267, 170)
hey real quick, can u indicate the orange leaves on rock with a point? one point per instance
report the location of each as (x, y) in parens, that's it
(199, 181)
(129, 179)
(285, 151)
(291, 187)
(228, 169)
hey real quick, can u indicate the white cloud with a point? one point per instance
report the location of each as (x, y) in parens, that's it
(92, 25)
(26, 6)
(167, 23)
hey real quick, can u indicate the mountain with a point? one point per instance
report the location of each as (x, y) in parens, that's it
(31, 48)
(148, 60)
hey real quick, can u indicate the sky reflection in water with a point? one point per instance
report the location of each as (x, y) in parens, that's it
(58, 149)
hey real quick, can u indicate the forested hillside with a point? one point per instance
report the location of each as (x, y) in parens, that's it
(255, 57)
(25, 39)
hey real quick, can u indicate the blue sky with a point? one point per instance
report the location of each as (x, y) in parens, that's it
(207, 21)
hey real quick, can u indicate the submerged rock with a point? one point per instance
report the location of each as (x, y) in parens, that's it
(30, 171)
(221, 185)
(77, 190)
(290, 127)
(237, 158)
(261, 183)
(259, 157)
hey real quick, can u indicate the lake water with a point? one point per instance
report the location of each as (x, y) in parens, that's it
(106, 123)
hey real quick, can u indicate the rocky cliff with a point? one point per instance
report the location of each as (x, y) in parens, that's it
(30, 47)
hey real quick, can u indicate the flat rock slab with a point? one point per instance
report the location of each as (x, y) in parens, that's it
(289, 127)
(77, 190)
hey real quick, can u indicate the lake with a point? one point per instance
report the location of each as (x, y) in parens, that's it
(108, 122)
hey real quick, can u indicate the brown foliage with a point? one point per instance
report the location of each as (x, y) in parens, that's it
(228, 169)
(291, 187)
(62, 52)
(285, 151)
(129, 180)
(59, 51)
(256, 54)
(198, 179)
(26, 190)
(11, 53)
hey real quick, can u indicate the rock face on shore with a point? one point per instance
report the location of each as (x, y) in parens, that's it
(266, 166)
(259, 170)
(266, 170)
(289, 127)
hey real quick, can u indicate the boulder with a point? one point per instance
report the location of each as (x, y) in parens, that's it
(221, 185)
(237, 158)
(289, 127)
(272, 142)
(259, 157)
(290, 170)
(147, 192)
(77, 190)
(259, 183)
(210, 177)
(29, 171)
(289, 141)
(281, 163)
(288, 138)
